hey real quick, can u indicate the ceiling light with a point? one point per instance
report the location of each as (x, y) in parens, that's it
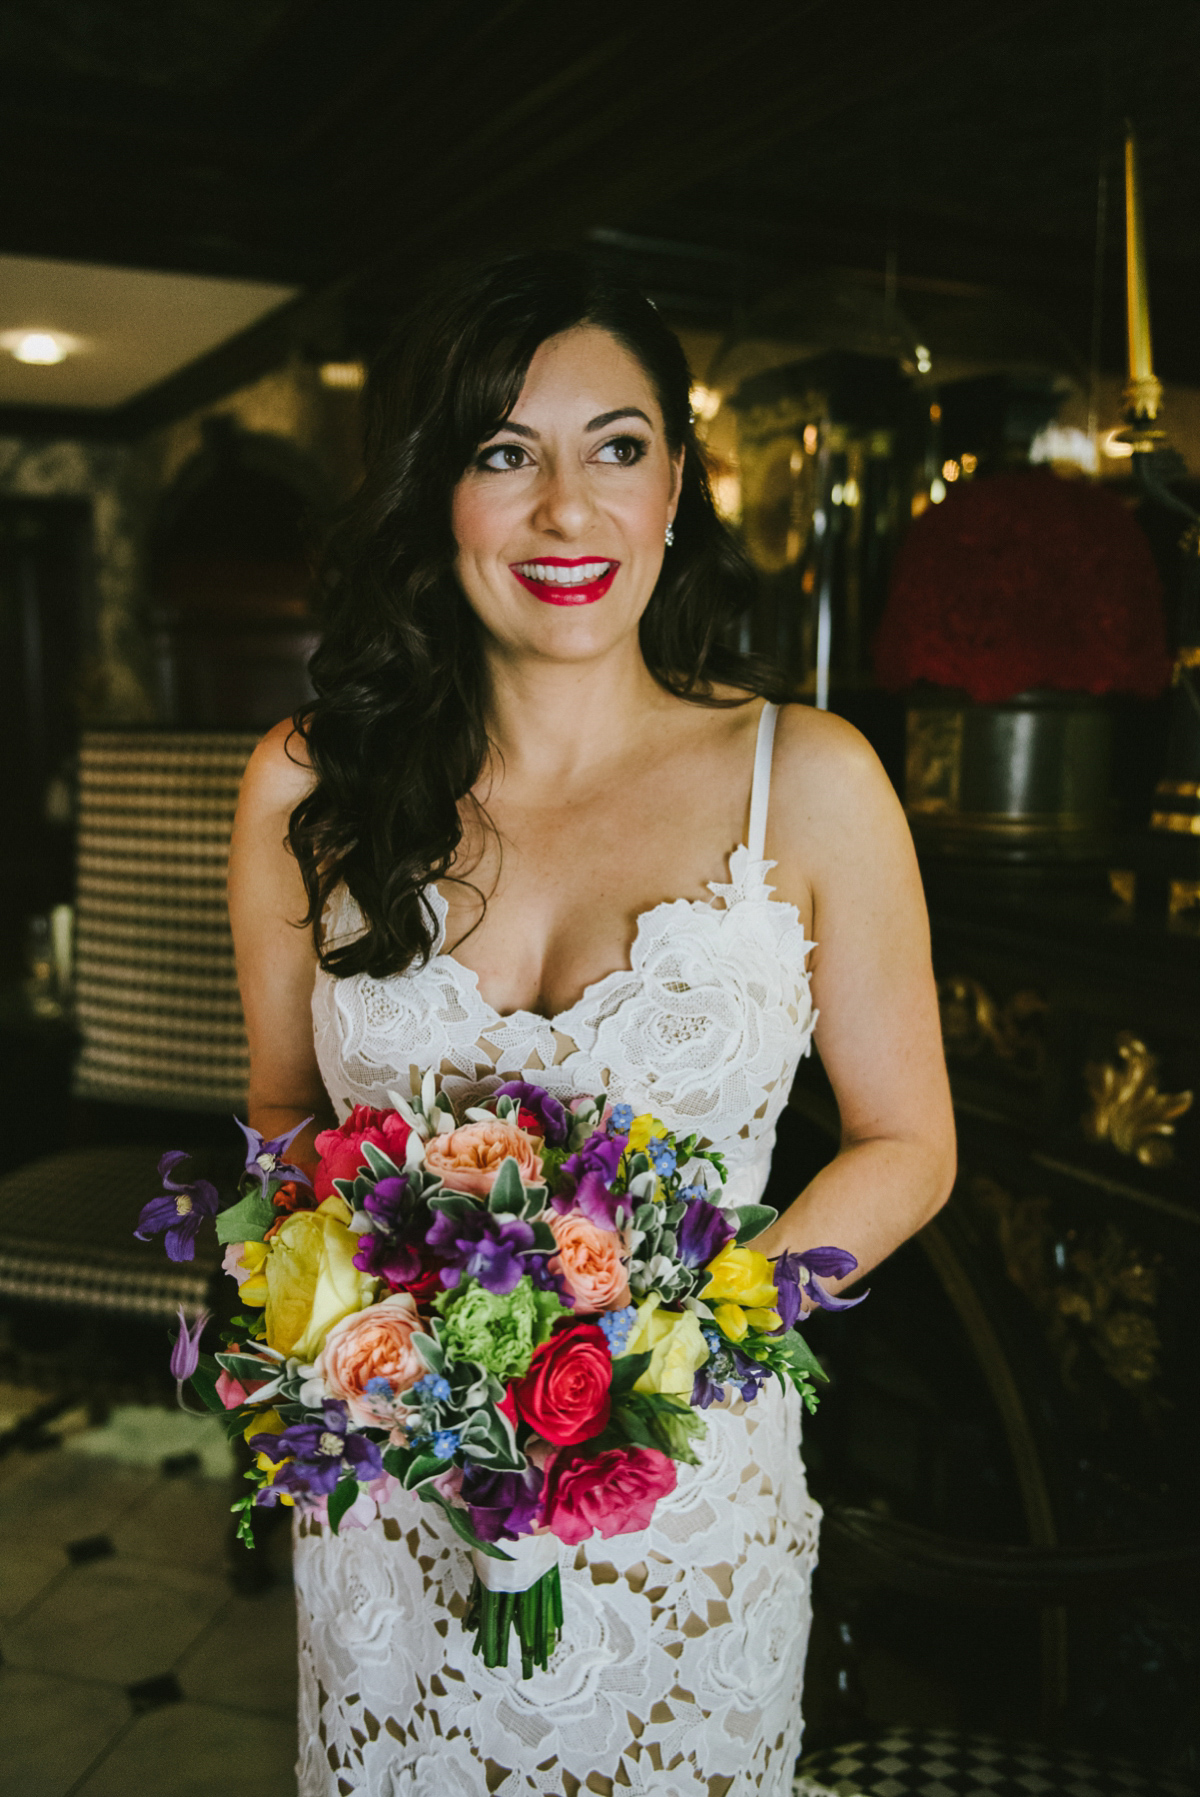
(41, 349)
(950, 470)
(1113, 444)
(350, 375)
(937, 491)
(924, 362)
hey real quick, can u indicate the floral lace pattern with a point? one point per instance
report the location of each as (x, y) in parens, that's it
(682, 1660)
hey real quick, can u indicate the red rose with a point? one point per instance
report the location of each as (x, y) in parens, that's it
(564, 1397)
(426, 1285)
(341, 1149)
(615, 1492)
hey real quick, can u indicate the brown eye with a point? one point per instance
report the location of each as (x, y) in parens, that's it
(624, 451)
(502, 457)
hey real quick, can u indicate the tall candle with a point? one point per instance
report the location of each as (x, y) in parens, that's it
(1143, 391)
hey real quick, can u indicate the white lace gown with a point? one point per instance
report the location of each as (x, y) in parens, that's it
(682, 1659)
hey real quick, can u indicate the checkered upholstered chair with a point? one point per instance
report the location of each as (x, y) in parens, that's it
(158, 1015)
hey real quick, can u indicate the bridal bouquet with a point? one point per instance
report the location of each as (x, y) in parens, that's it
(521, 1313)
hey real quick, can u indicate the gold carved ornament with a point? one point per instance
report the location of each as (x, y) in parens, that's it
(1127, 1108)
(973, 1021)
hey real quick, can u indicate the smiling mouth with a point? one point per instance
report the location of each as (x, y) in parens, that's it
(559, 582)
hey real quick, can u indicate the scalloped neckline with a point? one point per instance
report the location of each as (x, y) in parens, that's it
(441, 906)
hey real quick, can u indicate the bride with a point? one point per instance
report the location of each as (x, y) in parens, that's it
(540, 820)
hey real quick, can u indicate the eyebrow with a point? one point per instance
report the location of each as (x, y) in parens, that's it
(594, 424)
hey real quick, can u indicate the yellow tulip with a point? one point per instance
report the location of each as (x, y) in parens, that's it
(731, 1320)
(740, 1276)
(675, 1344)
(254, 1261)
(312, 1282)
(643, 1129)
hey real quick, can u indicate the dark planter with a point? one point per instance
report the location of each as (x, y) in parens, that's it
(1029, 779)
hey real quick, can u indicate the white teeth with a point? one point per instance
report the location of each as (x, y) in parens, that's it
(563, 577)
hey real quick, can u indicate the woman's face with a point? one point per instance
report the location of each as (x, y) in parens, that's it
(561, 516)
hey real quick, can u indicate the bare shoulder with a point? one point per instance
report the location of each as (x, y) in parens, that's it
(831, 801)
(279, 773)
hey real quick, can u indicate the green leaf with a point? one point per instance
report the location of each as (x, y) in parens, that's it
(507, 1196)
(454, 1204)
(752, 1220)
(246, 1221)
(626, 1371)
(423, 1467)
(341, 1497)
(381, 1165)
(460, 1525)
(656, 1420)
(204, 1383)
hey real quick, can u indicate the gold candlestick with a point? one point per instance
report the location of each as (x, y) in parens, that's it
(1144, 392)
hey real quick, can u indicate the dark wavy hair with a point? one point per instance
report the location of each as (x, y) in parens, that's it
(397, 733)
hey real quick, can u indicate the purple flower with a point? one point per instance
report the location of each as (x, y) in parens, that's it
(589, 1176)
(180, 1210)
(704, 1231)
(548, 1111)
(796, 1274)
(481, 1245)
(185, 1355)
(746, 1374)
(321, 1453)
(502, 1505)
(396, 1212)
(265, 1160)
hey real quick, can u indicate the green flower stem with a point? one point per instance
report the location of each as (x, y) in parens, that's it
(536, 1614)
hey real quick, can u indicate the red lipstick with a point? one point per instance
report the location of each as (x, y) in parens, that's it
(548, 579)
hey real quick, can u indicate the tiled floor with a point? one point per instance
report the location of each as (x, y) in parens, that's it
(129, 1663)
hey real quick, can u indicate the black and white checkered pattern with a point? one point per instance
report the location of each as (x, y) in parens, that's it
(934, 1762)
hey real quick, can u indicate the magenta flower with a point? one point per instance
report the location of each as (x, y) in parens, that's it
(590, 1175)
(704, 1231)
(185, 1355)
(502, 1505)
(180, 1211)
(483, 1246)
(552, 1118)
(797, 1274)
(265, 1161)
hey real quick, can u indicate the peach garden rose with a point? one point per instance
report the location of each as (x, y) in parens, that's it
(469, 1159)
(368, 1359)
(592, 1263)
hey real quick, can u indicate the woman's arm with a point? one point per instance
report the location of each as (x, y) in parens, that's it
(275, 958)
(837, 828)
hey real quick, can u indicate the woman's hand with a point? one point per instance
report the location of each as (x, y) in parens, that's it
(275, 956)
(840, 839)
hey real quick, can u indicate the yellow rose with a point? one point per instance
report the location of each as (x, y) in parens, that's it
(740, 1276)
(643, 1129)
(312, 1281)
(675, 1344)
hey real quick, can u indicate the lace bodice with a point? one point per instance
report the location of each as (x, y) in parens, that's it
(704, 1028)
(681, 1667)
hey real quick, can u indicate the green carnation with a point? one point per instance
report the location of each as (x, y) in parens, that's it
(499, 1333)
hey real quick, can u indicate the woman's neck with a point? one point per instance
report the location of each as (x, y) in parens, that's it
(554, 721)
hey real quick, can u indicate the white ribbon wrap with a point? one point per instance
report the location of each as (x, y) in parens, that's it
(529, 1558)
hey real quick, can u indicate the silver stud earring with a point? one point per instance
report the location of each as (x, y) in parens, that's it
(670, 535)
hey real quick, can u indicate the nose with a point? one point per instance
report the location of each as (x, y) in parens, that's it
(562, 504)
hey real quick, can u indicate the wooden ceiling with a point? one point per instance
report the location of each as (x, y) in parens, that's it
(352, 146)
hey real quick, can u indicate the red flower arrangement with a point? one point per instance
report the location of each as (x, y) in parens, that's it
(1025, 580)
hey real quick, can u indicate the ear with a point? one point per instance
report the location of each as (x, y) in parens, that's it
(676, 480)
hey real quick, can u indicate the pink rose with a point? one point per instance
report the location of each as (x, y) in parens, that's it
(231, 1262)
(615, 1492)
(341, 1152)
(468, 1159)
(368, 1359)
(591, 1262)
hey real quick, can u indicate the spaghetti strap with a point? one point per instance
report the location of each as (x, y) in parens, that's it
(760, 792)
